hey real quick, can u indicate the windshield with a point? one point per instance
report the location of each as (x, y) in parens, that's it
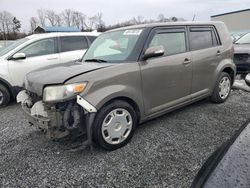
(12, 46)
(111, 47)
(245, 39)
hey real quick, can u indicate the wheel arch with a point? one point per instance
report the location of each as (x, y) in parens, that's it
(8, 86)
(129, 101)
(231, 73)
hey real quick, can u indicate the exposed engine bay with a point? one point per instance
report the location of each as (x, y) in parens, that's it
(56, 120)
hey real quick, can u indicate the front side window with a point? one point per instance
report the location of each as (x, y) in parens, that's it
(72, 43)
(173, 43)
(39, 48)
(114, 46)
(201, 38)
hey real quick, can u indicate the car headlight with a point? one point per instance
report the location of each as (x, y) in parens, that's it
(62, 92)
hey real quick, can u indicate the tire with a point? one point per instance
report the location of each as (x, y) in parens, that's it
(4, 96)
(217, 95)
(105, 136)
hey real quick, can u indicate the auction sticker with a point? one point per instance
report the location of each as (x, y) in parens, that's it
(132, 32)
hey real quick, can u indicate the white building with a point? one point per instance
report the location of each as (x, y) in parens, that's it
(236, 21)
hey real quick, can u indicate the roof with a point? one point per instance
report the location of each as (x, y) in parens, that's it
(238, 11)
(159, 24)
(58, 29)
(58, 34)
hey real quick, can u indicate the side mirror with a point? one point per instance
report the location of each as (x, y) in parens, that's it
(18, 56)
(247, 79)
(154, 51)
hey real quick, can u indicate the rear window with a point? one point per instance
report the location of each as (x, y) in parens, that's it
(71, 43)
(201, 38)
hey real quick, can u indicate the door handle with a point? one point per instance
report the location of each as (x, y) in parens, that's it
(218, 53)
(186, 61)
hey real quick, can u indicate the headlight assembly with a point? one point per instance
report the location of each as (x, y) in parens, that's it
(62, 92)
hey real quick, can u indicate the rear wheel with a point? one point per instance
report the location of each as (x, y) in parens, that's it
(4, 96)
(114, 125)
(222, 89)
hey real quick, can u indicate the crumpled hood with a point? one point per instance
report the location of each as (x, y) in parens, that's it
(58, 74)
(242, 49)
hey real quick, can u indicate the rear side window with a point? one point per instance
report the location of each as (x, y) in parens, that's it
(71, 43)
(201, 38)
(173, 42)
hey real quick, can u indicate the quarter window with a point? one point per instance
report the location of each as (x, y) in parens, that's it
(173, 43)
(201, 38)
(39, 48)
(72, 43)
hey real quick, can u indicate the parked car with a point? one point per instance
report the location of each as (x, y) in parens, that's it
(242, 54)
(228, 166)
(36, 51)
(128, 76)
(236, 35)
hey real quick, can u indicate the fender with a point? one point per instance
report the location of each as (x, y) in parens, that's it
(225, 63)
(100, 97)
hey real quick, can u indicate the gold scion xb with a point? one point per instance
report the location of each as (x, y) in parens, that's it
(128, 76)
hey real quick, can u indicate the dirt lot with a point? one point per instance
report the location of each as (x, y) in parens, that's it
(165, 152)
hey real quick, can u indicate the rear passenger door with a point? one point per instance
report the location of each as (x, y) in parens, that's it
(206, 54)
(72, 47)
(166, 80)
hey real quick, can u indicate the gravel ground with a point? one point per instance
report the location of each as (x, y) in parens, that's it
(165, 152)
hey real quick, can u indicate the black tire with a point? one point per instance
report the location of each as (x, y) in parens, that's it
(216, 96)
(4, 96)
(100, 117)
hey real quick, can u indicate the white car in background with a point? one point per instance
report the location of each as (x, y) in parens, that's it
(37, 51)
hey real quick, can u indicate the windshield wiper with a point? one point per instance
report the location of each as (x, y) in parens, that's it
(95, 60)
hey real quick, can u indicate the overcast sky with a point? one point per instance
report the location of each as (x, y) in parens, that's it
(115, 11)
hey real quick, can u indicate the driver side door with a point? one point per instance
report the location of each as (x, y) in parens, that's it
(166, 80)
(38, 54)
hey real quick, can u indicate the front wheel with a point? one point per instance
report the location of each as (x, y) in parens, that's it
(222, 89)
(114, 125)
(4, 96)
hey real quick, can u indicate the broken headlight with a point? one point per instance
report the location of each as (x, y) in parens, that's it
(62, 92)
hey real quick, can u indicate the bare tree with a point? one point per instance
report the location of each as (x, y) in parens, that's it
(100, 23)
(76, 19)
(137, 20)
(51, 16)
(33, 23)
(91, 22)
(6, 23)
(42, 16)
(58, 20)
(67, 16)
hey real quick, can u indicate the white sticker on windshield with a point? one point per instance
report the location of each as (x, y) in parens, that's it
(133, 32)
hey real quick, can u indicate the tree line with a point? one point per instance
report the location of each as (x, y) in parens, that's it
(67, 18)
(10, 26)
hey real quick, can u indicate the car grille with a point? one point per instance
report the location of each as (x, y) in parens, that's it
(241, 58)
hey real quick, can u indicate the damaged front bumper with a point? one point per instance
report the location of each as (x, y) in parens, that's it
(60, 119)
